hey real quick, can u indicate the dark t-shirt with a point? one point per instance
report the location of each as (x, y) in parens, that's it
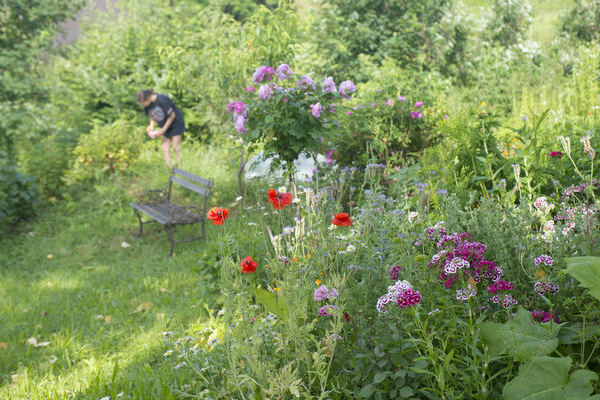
(161, 109)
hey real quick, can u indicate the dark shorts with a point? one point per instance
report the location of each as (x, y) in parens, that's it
(174, 131)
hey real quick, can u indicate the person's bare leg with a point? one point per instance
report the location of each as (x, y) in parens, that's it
(176, 144)
(166, 150)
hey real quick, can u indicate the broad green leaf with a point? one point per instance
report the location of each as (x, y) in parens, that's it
(587, 271)
(521, 337)
(572, 334)
(380, 376)
(272, 303)
(547, 378)
(367, 391)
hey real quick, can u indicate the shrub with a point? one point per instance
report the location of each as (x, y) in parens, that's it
(18, 195)
(583, 21)
(106, 149)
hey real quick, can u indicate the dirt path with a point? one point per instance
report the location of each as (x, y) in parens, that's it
(71, 28)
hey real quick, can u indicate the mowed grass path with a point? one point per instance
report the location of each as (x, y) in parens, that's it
(68, 281)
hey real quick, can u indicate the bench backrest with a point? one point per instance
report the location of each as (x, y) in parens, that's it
(190, 181)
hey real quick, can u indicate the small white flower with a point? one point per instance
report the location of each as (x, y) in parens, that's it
(252, 224)
(296, 200)
(120, 395)
(181, 364)
(105, 398)
(331, 227)
(350, 248)
(239, 198)
(221, 312)
(168, 353)
(282, 189)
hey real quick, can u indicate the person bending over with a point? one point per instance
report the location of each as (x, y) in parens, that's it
(169, 119)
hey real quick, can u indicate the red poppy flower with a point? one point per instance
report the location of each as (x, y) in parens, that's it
(218, 215)
(279, 199)
(347, 316)
(341, 219)
(248, 265)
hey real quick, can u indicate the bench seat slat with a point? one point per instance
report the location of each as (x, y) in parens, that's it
(191, 186)
(206, 182)
(153, 212)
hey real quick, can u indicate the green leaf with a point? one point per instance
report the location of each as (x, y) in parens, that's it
(547, 378)
(587, 271)
(367, 391)
(271, 302)
(380, 376)
(406, 391)
(573, 334)
(520, 337)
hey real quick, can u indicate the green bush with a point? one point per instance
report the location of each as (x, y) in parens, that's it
(18, 195)
(106, 149)
(509, 21)
(583, 21)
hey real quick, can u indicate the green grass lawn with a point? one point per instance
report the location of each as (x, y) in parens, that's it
(67, 280)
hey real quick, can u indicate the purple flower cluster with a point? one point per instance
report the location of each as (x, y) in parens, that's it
(543, 288)
(323, 293)
(315, 110)
(573, 189)
(408, 298)
(264, 72)
(306, 82)
(460, 259)
(544, 316)
(506, 300)
(283, 72)
(395, 294)
(500, 285)
(465, 294)
(324, 311)
(239, 111)
(329, 85)
(346, 88)
(436, 231)
(544, 259)
(395, 271)
(265, 91)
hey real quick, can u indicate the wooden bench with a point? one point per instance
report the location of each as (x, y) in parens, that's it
(157, 205)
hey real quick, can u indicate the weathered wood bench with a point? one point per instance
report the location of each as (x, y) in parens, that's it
(156, 204)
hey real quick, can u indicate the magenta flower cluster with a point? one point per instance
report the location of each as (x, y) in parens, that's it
(323, 293)
(460, 259)
(544, 316)
(543, 288)
(500, 285)
(408, 298)
(395, 271)
(262, 73)
(544, 259)
(239, 111)
(401, 293)
(324, 311)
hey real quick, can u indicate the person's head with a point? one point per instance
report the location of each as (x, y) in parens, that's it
(144, 97)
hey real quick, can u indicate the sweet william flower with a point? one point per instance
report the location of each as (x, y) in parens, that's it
(217, 215)
(341, 219)
(248, 265)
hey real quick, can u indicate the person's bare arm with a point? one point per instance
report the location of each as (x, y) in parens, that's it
(167, 124)
(150, 127)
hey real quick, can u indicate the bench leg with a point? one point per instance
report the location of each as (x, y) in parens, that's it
(203, 230)
(141, 223)
(170, 236)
